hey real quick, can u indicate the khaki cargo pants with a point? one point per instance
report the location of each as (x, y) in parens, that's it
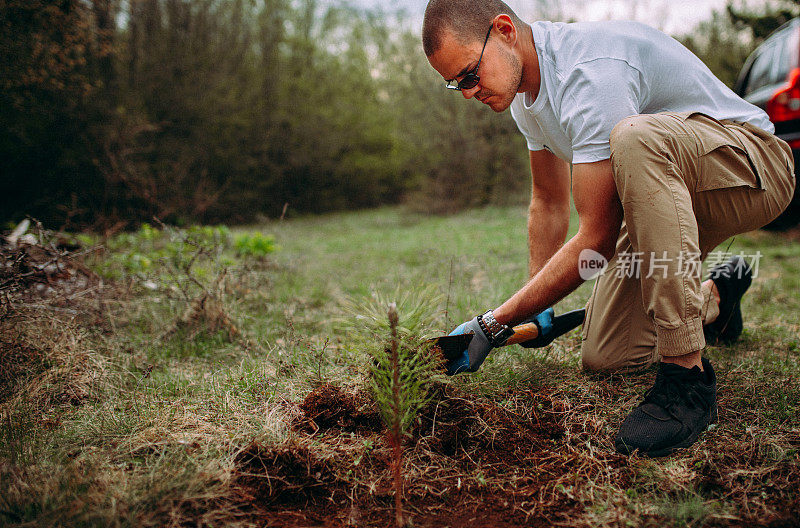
(687, 182)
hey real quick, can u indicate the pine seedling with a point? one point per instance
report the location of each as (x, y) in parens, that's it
(395, 433)
(401, 371)
(400, 379)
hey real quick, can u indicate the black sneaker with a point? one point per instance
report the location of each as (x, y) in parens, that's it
(732, 280)
(680, 405)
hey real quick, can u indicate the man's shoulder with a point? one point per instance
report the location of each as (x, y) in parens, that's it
(613, 28)
(568, 44)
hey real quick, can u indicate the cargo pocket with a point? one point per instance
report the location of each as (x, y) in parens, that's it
(726, 166)
(724, 160)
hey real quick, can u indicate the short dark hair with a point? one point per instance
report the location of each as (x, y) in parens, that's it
(468, 19)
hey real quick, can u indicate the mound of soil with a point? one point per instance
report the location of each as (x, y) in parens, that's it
(331, 407)
(34, 272)
(342, 478)
(290, 474)
(776, 506)
(481, 431)
(451, 424)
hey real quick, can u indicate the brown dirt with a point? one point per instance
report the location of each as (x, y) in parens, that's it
(459, 427)
(31, 272)
(332, 407)
(291, 474)
(793, 234)
(468, 463)
(776, 483)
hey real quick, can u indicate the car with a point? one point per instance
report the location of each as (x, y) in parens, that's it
(770, 79)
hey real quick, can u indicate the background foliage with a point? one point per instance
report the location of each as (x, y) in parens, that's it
(113, 111)
(725, 40)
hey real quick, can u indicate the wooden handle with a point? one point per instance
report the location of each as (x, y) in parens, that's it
(523, 332)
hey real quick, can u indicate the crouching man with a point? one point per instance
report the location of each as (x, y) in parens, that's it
(667, 163)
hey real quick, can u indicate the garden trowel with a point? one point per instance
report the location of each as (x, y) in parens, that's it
(530, 334)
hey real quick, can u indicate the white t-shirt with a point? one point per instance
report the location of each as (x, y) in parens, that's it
(594, 74)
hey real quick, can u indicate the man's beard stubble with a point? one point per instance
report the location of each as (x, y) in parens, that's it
(514, 83)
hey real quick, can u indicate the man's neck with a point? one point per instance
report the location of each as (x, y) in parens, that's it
(531, 78)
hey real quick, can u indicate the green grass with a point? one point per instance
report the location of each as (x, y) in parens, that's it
(120, 424)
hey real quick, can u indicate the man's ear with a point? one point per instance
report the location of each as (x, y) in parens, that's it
(506, 27)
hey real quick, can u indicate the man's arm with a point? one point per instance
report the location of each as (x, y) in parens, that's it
(600, 218)
(548, 216)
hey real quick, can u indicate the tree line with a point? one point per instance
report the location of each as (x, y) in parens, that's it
(222, 110)
(115, 111)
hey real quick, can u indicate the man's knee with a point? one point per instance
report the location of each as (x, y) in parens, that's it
(595, 352)
(615, 350)
(592, 360)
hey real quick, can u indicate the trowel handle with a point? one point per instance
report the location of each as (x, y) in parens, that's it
(523, 332)
(527, 334)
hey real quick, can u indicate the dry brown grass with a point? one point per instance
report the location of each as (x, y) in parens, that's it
(47, 362)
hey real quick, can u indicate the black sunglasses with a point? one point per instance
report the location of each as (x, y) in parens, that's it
(471, 78)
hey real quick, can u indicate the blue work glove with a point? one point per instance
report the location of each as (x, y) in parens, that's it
(544, 321)
(473, 357)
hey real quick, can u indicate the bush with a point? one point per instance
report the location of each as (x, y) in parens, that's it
(145, 254)
(254, 244)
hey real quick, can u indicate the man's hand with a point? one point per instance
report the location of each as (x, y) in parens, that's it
(473, 357)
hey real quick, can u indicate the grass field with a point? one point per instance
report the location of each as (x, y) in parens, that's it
(111, 414)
